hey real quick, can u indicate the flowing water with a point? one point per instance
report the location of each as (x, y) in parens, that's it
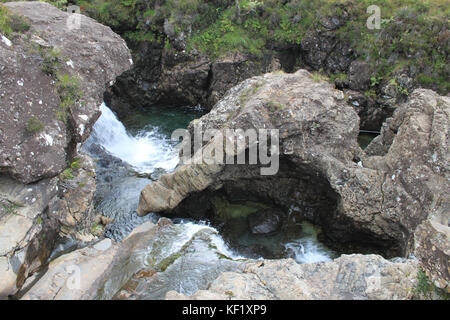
(129, 155)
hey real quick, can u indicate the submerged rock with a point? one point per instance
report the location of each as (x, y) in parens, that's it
(356, 277)
(264, 221)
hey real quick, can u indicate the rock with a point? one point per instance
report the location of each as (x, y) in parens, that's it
(322, 50)
(93, 53)
(145, 274)
(86, 273)
(173, 77)
(359, 74)
(7, 277)
(432, 248)
(72, 276)
(229, 71)
(264, 222)
(75, 209)
(35, 216)
(105, 220)
(183, 84)
(350, 277)
(371, 114)
(38, 205)
(375, 204)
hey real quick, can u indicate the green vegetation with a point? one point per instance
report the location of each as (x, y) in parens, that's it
(97, 229)
(50, 60)
(425, 289)
(338, 77)
(166, 262)
(229, 293)
(75, 164)
(10, 23)
(370, 94)
(60, 4)
(68, 87)
(67, 174)
(319, 76)
(414, 35)
(69, 92)
(274, 106)
(34, 125)
(9, 206)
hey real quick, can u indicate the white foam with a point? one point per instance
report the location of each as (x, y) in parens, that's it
(189, 231)
(307, 250)
(146, 151)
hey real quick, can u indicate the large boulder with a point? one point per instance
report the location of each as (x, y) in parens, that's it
(355, 277)
(374, 198)
(52, 85)
(91, 53)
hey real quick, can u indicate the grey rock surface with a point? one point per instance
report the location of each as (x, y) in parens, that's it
(350, 277)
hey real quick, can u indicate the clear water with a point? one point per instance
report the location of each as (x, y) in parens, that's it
(189, 254)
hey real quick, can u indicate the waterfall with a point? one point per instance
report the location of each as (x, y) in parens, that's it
(146, 151)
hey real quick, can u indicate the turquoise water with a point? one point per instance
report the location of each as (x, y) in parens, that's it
(126, 152)
(364, 139)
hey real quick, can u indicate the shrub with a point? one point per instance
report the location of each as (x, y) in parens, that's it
(34, 125)
(69, 93)
(50, 60)
(67, 174)
(10, 23)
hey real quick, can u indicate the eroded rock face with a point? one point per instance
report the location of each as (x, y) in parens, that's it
(357, 277)
(38, 205)
(375, 198)
(176, 78)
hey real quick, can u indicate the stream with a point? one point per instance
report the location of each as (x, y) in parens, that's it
(129, 154)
